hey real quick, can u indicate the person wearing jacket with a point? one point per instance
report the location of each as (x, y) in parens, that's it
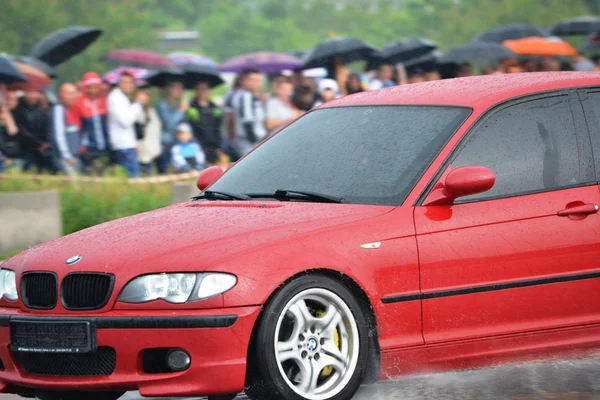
(35, 141)
(149, 131)
(171, 110)
(186, 154)
(90, 111)
(10, 142)
(65, 130)
(122, 114)
(204, 117)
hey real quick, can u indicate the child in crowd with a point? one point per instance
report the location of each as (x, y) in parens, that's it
(186, 154)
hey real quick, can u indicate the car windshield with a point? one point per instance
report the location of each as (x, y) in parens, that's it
(363, 154)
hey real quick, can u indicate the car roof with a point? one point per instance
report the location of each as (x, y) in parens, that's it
(476, 92)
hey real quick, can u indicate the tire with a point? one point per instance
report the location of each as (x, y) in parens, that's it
(52, 395)
(311, 342)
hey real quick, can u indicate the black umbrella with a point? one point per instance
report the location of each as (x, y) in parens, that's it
(163, 77)
(592, 44)
(194, 73)
(346, 49)
(477, 51)
(34, 62)
(297, 53)
(510, 32)
(401, 51)
(576, 26)
(62, 45)
(426, 62)
(9, 73)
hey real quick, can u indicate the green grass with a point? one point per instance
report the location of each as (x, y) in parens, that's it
(85, 204)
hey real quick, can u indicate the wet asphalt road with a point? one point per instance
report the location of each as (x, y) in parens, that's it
(573, 379)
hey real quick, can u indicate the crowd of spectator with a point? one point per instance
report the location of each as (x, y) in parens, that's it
(91, 125)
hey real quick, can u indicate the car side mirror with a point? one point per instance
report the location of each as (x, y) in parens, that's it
(461, 182)
(208, 176)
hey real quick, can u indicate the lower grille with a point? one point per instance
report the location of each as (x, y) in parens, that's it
(39, 290)
(100, 363)
(86, 291)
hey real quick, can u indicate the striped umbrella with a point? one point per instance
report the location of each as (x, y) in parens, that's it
(181, 58)
(139, 74)
(265, 62)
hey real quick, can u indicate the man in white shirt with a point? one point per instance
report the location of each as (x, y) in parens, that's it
(122, 115)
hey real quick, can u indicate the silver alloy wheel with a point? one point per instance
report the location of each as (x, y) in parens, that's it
(308, 357)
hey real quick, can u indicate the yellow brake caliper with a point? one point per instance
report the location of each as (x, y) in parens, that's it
(336, 339)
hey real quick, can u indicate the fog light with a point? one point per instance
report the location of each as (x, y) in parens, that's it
(178, 360)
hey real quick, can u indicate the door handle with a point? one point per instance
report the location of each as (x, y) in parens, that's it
(588, 208)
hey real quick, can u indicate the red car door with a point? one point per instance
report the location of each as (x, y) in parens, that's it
(525, 255)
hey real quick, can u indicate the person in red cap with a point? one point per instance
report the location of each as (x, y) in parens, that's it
(90, 109)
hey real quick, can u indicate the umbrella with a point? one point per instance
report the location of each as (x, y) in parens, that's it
(510, 31)
(62, 45)
(164, 77)
(34, 62)
(297, 53)
(139, 75)
(137, 58)
(576, 26)
(196, 68)
(592, 45)
(426, 62)
(401, 51)
(345, 49)
(537, 46)
(486, 52)
(267, 63)
(36, 79)
(180, 58)
(9, 73)
(193, 74)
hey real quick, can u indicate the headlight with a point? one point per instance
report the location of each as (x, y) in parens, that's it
(176, 288)
(8, 285)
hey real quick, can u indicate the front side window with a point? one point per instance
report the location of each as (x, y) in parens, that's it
(364, 154)
(530, 147)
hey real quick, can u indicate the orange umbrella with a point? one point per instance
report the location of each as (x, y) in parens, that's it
(36, 79)
(539, 46)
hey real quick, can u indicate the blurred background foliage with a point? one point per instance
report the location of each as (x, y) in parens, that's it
(231, 27)
(84, 204)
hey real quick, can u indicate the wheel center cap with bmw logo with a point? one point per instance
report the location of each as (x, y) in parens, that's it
(73, 260)
(312, 344)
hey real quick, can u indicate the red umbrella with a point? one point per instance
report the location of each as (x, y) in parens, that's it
(137, 58)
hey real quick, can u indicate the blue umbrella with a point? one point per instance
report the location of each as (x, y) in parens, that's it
(9, 73)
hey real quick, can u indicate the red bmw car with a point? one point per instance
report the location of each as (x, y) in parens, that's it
(426, 227)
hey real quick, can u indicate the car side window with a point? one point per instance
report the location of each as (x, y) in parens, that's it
(530, 146)
(595, 106)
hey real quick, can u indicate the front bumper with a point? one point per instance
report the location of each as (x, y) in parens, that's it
(217, 341)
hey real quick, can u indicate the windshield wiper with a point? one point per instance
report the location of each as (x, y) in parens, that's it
(214, 195)
(298, 195)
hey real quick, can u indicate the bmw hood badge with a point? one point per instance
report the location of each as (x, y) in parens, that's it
(73, 260)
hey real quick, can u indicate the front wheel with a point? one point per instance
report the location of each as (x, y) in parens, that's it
(312, 341)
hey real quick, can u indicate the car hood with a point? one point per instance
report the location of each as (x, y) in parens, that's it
(186, 236)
